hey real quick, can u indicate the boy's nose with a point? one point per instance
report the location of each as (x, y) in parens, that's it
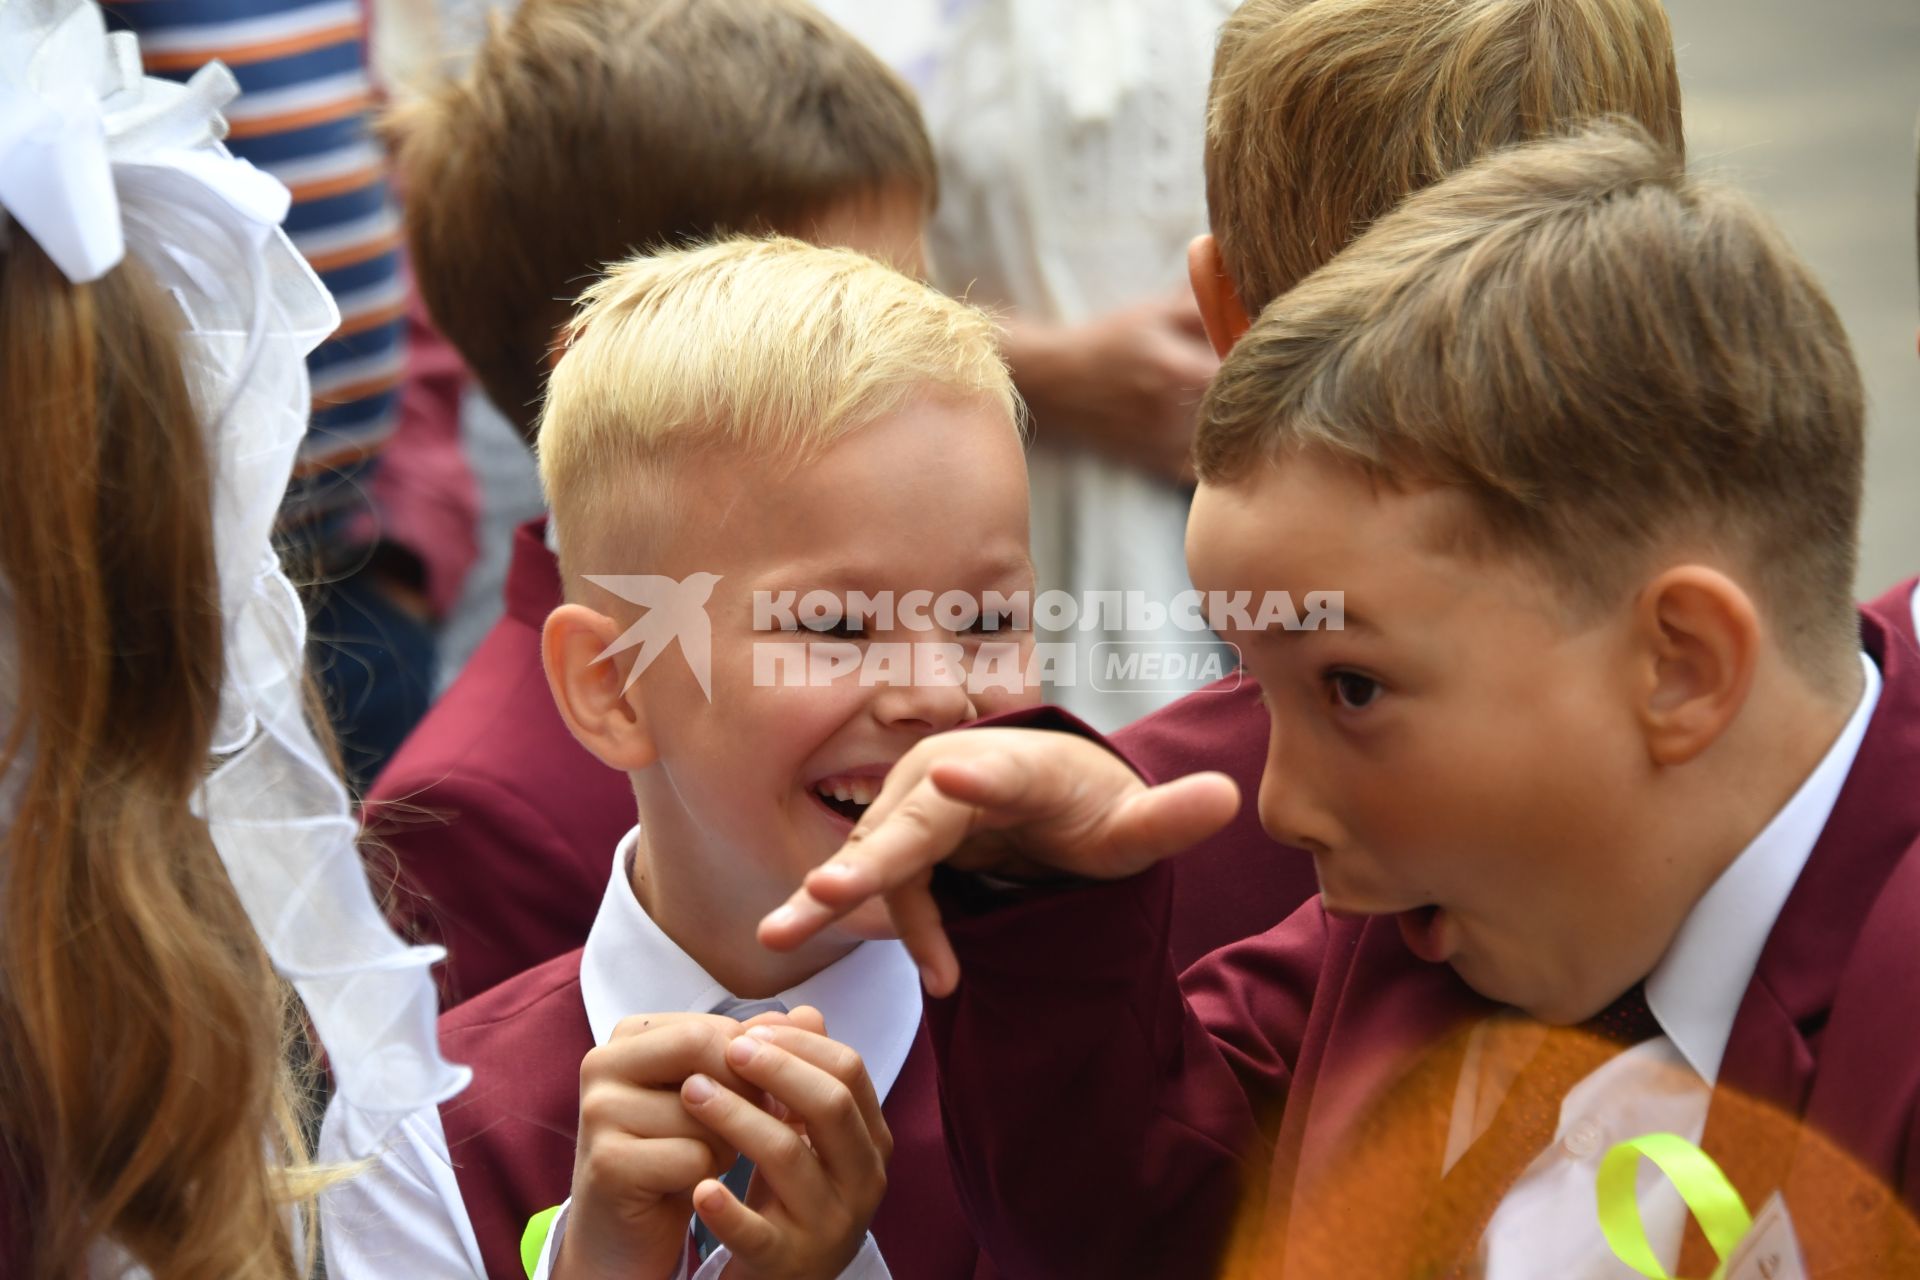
(928, 704)
(1288, 811)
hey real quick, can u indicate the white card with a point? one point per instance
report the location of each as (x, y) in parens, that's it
(1769, 1250)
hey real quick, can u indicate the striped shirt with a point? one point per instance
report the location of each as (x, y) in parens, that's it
(302, 115)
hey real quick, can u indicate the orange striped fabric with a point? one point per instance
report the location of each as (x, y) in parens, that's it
(260, 51)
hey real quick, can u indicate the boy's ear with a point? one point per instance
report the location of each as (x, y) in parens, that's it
(1699, 635)
(607, 718)
(1221, 311)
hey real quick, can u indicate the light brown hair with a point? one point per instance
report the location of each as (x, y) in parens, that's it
(143, 1094)
(1602, 355)
(1324, 114)
(588, 130)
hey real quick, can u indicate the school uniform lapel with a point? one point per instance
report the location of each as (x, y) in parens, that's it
(1773, 1052)
(1383, 1024)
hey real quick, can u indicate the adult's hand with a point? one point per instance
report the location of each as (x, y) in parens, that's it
(1025, 804)
(1126, 384)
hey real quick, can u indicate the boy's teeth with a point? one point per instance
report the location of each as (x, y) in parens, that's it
(849, 790)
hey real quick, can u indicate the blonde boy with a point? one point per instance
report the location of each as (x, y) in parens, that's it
(586, 131)
(739, 421)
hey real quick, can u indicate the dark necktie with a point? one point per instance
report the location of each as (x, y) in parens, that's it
(1522, 1127)
(738, 1178)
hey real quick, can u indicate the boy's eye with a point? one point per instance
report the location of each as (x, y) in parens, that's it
(841, 630)
(1352, 690)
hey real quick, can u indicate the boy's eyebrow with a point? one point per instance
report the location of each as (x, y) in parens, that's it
(1349, 621)
(826, 574)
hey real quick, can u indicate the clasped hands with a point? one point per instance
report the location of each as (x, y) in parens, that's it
(668, 1103)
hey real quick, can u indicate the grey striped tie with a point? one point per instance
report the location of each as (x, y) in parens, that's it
(737, 1178)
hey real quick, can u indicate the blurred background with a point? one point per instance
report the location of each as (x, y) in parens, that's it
(1812, 108)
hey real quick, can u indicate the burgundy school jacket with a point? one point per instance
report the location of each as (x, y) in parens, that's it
(511, 1134)
(1107, 1115)
(1239, 883)
(501, 827)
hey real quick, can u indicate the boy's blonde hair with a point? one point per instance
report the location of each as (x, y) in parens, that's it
(1603, 356)
(1324, 114)
(769, 349)
(588, 130)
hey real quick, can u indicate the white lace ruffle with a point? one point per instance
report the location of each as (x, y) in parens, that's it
(96, 161)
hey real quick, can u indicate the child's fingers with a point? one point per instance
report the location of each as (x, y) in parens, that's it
(808, 1018)
(850, 1138)
(779, 1154)
(803, 1018)
(618, 1108)
(893, 844)
(842, 1063)
(916, 919)
(990, 782)
(1164, 820)
(746, 1234)
(661, 1050)
(655, 1166)
(772, 1017)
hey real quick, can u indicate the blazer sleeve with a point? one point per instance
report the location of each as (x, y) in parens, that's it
(1107, 1115)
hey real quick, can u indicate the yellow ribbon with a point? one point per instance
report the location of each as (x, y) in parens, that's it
(534, 1241)
(1702, 1186)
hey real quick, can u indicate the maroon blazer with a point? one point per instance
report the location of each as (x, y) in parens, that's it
(1240, 883)
(511, 1134)
(501, 826)
(1125, 1146)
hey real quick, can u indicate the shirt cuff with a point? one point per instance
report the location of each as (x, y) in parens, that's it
(866, 1265)
(551, 1249)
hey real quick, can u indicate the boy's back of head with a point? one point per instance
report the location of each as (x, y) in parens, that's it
(1605, 357)
(587, 130)
(1324, 114)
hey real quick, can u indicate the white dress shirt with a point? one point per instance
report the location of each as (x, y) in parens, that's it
(1547, 1224)
(403, 1216)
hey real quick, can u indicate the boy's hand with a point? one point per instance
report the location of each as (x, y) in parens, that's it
(1024, 803)
(639, 1154)
(1126, 384)
(817, 1178)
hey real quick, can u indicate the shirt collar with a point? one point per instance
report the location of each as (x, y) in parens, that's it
(1696, 990)
(870, 997)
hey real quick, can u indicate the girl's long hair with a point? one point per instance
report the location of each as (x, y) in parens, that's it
(145, 1098)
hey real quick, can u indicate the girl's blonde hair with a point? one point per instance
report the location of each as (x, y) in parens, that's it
(145, 1098)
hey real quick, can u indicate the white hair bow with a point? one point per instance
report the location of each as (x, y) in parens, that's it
(98, 161)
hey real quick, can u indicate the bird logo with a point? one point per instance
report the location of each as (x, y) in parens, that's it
(676, 609)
